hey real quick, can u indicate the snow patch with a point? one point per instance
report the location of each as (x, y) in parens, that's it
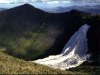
(73, 54)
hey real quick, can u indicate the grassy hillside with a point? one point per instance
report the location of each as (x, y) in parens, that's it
(30, 33)
(11, 65)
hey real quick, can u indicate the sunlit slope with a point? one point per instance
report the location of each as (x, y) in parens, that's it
(30, 33)
(19, 31)
(11, 65)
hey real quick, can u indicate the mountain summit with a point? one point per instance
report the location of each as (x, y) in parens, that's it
(30, 33)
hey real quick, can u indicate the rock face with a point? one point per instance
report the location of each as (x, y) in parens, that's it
(73, 54)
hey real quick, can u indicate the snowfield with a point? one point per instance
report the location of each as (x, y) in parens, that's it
(73, 54)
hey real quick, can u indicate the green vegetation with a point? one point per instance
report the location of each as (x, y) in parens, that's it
(21, 36)
(87, 69)
(24, 44)
(12, 65)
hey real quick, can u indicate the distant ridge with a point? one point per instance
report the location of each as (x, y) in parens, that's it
(89, 9)
(1, 9)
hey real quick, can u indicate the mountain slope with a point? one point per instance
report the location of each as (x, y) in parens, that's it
(93, 36)
(29, 33)
(12, 65)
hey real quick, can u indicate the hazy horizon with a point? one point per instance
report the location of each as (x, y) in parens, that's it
(42, 4)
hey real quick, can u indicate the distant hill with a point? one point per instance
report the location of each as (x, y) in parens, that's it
(1, 9)
(93, 11)
(30, 33)
(89, 9)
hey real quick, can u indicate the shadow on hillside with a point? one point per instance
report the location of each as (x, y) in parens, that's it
(61, 40)
(92, 35)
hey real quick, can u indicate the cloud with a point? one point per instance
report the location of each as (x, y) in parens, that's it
(44, 0)
(48, 1)
(9, 1)
(51, 2)
(5, 1)
(65, 1)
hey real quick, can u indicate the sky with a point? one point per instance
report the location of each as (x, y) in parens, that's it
(48, 3)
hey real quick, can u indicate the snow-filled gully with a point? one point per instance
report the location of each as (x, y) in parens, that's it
(73, 54)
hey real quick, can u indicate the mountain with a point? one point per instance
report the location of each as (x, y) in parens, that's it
(89, 9)
(29, 33)
(1, 9)
(93, 11)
